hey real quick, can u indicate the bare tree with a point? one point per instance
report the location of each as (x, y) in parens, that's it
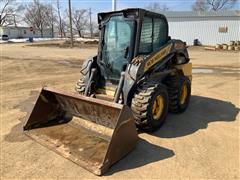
(60, 21)
(80, 20)
(50, 17)
(10, 12)
(36, 15)
(200, 5)
(156, 7)
(64, 28)
(217, 5)
(95, 29)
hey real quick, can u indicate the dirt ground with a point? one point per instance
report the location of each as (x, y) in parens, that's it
(202, 143)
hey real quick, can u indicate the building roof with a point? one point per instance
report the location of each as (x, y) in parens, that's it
(21, 27)
(131, 11)
(177, 14)
(14, 27)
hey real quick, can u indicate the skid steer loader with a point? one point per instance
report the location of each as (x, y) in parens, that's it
(138, 76)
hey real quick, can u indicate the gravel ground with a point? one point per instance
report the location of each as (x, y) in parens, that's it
(203, 142)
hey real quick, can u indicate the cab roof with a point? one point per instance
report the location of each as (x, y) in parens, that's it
(130, 12)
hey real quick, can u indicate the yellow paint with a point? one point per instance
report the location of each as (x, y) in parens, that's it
(157, 57)
(106, 92)
(158, 107)
(110, 88)
(186, 69)
(184, 93)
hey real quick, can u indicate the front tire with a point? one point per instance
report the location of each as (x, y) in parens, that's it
(179, 90)
(150, 106)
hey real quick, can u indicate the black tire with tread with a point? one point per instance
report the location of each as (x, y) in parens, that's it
(80, 86)
(142, 104)
(175, 84)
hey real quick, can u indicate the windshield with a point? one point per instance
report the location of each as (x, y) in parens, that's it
(116, 44)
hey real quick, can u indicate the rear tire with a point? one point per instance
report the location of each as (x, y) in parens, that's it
(80, 86)
(150, 106)
(179, 90)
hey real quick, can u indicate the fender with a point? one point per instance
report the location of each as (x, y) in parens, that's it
(180, 51)
(136, 72)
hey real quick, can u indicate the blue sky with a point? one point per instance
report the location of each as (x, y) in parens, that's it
(106, 5)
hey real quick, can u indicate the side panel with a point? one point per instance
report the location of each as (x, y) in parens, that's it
(153, 65)
(186, 69)
(157, 57)
(138, 70)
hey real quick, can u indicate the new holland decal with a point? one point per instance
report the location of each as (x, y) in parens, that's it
(157, 57)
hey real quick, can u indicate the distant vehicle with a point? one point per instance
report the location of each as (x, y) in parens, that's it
(4, 37)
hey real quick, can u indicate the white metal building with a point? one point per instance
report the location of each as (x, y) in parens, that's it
(24, 32)
(210, 28)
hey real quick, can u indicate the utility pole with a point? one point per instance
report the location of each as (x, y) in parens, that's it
(60, 18)
(114, 5)
(70, 19)
(90, 18)
(52, 23)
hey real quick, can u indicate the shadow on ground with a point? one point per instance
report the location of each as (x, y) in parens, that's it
(200, 113)
(143, 154)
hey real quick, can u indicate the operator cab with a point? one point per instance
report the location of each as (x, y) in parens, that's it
(126, 34)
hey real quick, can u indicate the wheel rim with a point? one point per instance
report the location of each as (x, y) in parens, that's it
(158, 107)
(183, 95)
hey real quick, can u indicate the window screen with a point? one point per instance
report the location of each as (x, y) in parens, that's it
(156, 34)
(146, 36)
(153, 36)
(159, 33)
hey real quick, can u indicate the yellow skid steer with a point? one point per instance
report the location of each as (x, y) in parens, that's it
(138, 76)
